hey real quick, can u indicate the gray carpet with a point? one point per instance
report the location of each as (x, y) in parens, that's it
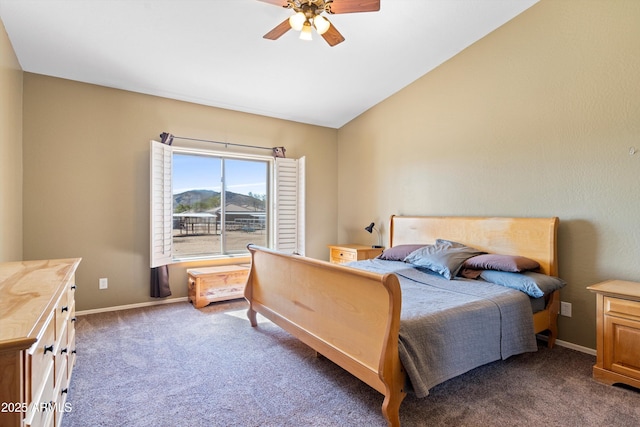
(173, 365)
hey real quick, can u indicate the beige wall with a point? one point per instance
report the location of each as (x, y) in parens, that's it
(10, 151)
(86, 178)
(536, 119)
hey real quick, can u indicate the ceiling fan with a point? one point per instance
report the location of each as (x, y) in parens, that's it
(308, 14)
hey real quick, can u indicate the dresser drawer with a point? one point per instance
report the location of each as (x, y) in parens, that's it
(71, 320)
(71, 288)
(62, 313)
(40, 410)
(62, 353)
(40, 360)
(62, 389)
(71, 338)
(71, 358)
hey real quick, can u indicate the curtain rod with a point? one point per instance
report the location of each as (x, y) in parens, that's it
(167, 138)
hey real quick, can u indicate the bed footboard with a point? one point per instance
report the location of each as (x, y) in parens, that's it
(351, 317)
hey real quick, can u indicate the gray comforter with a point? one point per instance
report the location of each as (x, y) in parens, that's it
(449, 327)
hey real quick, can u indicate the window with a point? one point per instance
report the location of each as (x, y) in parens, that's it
(219, 205)
(207, 204)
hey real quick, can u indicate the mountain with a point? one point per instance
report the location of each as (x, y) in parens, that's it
(205, 200)
(194, 196)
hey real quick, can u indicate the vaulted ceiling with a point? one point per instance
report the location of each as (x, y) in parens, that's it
(213, 53)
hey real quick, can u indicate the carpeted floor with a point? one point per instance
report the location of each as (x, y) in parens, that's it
(172, 365)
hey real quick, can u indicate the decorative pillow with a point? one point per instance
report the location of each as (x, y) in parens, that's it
(513, 263)
(444, 257)
(533, 284)
(398, 253)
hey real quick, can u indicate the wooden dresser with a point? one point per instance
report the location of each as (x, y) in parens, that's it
(617, 332)
(37, 340)
(339, 254)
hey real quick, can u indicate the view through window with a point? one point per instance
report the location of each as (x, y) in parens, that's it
(219, 204)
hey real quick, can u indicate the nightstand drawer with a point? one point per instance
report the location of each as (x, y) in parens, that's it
(339, 254)
(343, 255)
(621, 308)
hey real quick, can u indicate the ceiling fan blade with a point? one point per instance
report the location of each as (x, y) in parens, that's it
(283, 3)
(353, 6)
(333, 36)
(278, 31)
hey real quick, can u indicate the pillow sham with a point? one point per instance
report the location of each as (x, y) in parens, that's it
(398, 253)
(533, 284)
(444, 257)
(513, 263)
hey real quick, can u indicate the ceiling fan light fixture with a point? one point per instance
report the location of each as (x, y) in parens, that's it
(297, 21)
(321, 23)
(305, 15)
(305, 33)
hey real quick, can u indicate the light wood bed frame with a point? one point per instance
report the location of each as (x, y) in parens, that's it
(352, 317)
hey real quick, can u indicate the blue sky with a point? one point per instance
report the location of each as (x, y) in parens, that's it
(191, 172)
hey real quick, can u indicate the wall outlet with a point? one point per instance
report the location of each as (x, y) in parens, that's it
(103, 283)
(565, 309)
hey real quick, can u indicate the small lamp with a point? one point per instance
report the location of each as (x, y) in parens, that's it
(370, 229)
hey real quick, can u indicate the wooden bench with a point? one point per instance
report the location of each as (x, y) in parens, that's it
(221, 283)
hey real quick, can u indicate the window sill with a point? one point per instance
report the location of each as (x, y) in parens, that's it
(214, 260)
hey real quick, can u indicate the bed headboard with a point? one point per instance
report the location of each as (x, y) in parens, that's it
(533, 238)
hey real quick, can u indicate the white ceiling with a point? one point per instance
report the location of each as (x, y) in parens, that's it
(212, 52)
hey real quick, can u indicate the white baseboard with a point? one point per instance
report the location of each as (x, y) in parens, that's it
(128, 306)
(570, 345)
(576, 347)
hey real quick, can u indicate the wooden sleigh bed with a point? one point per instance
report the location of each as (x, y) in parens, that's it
(353, 317)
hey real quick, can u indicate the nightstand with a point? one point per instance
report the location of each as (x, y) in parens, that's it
(617, 332)
(339, 254)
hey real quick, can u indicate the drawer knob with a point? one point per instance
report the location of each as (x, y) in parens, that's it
(63, 351)
(73, 287)
(73, 319)
(64, 390)
(64, 308)
(73, 352)
(48, 348)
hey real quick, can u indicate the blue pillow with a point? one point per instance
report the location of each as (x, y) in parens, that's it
(444, 257)
(533, 284)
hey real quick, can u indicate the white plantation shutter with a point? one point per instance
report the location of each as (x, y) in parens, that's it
(289, 205)
(301, 205)
(161, 204)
